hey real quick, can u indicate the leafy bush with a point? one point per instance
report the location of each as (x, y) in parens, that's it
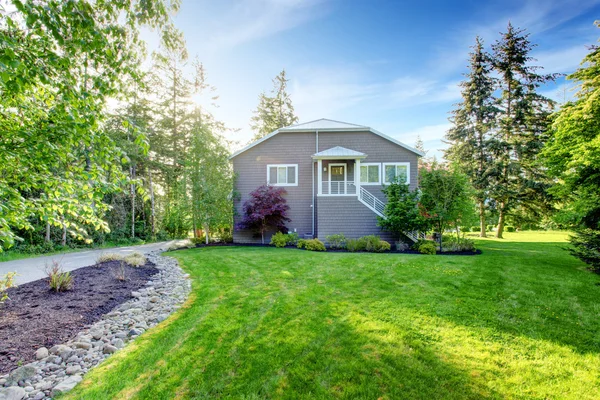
(198, 240)
(58, 280)
(135, 259)
(586, 243)
(475, 229)
(279, 239)
(337, 241)
(301, 243)
(374, 244)
(6, 282)
(292, 238)
(355, 245)
(489, 228)
(452, 243)
(314, 245)
(509, 228)
(106, 257)
(464, 229)
(424, 246)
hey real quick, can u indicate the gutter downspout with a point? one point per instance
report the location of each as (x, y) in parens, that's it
(313, 182)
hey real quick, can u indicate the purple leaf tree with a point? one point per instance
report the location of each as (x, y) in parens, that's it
(266, 208)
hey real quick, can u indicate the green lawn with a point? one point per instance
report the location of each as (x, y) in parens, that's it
(519, 321)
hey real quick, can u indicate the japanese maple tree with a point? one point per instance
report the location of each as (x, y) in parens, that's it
(266, 208)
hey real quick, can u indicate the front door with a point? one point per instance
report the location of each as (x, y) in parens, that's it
(337, 178)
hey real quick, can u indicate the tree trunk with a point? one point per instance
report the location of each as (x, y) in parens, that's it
(132, 175)
(47, 239)
(501, 217)
(206, 234)
(64, 232)
(482, 230)
(152, 204)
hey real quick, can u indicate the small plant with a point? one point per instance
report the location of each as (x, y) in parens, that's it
(425, 246)
(292, 238)
(119, 272)
(509, 228)
(355, 245)
(198, 240)
(301, 243)
(135, 259)
(106, 257)
(337, 241)
(58, 280)
(489, 228)
(374, 244)
(279, 239)
(314, 245)
(452, 243)
(475, 229)
(6, 282)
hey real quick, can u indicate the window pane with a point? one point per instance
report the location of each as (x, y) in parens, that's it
(390, 173)
(373, 173)
(363, 173)
(273, 175)
(281, 175)
(402, 173)
(291, 175)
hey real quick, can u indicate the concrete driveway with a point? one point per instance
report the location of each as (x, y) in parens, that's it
(31, 269)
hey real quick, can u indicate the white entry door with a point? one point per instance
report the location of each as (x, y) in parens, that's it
(337, 178)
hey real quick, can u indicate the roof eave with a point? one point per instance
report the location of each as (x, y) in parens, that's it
(315, 157)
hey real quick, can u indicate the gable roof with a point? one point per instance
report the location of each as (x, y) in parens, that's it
(327, 125)
(339, 152)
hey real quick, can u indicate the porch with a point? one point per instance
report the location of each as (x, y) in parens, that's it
(338, 172)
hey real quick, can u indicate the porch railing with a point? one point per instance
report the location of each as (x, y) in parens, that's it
(338, 188)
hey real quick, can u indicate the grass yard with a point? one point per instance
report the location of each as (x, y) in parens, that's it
(519, 321)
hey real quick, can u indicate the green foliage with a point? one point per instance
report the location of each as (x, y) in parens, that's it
(106, 257)
(510, 228)
(314, 245)
(6, 282)
(135, 259)
(475, 229)
(279, 239)
(489, 228)
(453, 243)
(354, 245)
(374, 244)
(58, 280)
(401, 211)
(337, 241)
(586, 247)
(275, 111)
(425, 246)
(301, 243)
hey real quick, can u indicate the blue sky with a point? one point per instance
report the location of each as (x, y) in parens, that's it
(392, 65)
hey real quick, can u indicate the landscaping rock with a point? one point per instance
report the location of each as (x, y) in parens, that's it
(66, 385)
(109, 349)
(41, 353)
(12, 393)
(22, 373)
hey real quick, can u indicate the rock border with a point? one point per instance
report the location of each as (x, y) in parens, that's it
(60, 368)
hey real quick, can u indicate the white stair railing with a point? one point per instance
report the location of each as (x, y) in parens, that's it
(378, 206)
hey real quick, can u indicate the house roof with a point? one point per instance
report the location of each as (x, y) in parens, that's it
(339, 152)
(326, 125)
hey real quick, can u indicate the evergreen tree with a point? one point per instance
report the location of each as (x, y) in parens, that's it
(473, 122)
(275, 111)
(522, 122)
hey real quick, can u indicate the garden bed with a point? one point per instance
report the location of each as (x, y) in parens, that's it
(445, 253)
(36, 317)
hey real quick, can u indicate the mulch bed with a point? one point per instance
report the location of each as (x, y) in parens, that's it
(445, 253)
(36, 317)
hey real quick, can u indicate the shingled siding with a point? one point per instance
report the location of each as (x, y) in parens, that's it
(251, 169)
(349, 216)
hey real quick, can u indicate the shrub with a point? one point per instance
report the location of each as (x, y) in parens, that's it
(374, 244)
(279, 240)
(355, 245)
(337, 241)
(58, 280)
(452, 243)
(198, 240)
(586, 247)
(301, 243)
(106, 257)
(6, 282)
(489, 228)
(464, 229)
(475, 229)
(314, 245)
(292, 238)
(135, 259)
(509, 228)
(428, 248)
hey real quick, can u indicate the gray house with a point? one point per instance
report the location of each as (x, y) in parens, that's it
(333, 173)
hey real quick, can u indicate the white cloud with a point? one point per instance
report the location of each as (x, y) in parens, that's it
(428, 133)
(565, 60)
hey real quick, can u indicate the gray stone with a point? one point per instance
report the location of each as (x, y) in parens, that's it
(43, 385)
(66, 385)
(39, 396)
(135, 332)
(22, 373)
(72, 370)
(82, 345)
(12, 393)
(154, 299)
(29, 389)
(109, 349)
(118, 343)
(97, 335)
(41, 353)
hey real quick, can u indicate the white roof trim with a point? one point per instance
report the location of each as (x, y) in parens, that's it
(338, 153)
(298, 128)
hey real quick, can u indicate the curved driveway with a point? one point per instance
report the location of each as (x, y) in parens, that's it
(31, 269)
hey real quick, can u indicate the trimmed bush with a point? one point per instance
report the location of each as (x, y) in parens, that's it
(509, 228)
(374, 244)
(452, 243)
(279, 240)
(464, 229)
(292, 238)
(337, 241)
(425, 246)
(314, 245)
(355, 245)
(301, 243)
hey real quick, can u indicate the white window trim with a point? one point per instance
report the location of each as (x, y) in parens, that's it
(269, 166)
(407, 164)
(370, 183)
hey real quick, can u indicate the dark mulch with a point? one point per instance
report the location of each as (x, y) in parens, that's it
(445, 253)
(35, 317)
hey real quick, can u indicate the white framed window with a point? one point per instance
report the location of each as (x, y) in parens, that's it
(370, 174)
(282, 174)
(399, 170)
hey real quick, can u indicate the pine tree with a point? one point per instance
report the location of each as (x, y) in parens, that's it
(473, 121)
(275, 111)
(522, 123)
